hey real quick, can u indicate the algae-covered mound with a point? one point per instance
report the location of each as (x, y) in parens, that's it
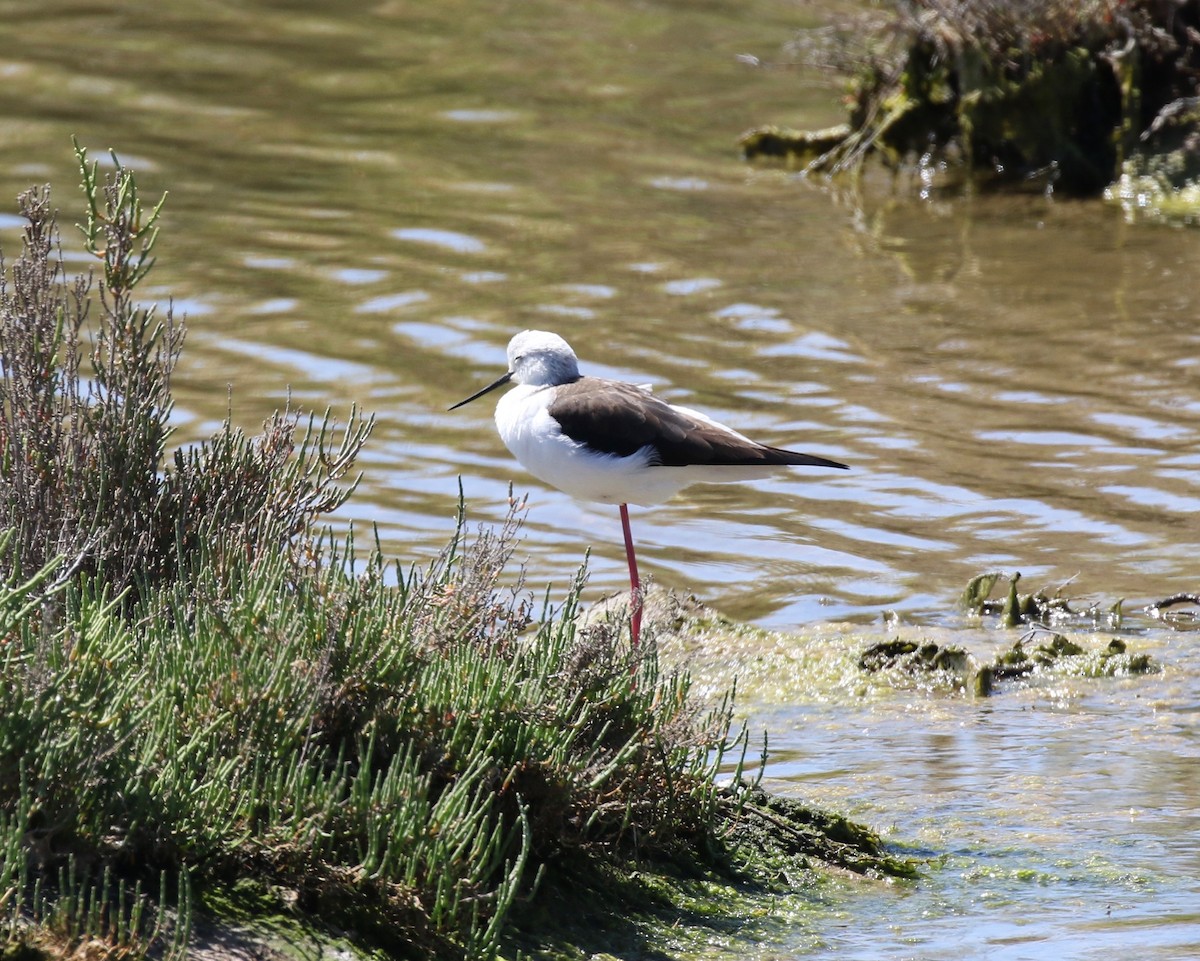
(1078, 97)
(915, 656)
(769, 857)
(782, 827)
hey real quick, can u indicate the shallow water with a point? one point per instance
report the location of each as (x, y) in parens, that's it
(1058, 818)
(365, 205)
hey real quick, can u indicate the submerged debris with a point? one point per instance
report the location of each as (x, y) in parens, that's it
(1160, 610)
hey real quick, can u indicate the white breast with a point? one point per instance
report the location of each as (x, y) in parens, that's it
(537, 441)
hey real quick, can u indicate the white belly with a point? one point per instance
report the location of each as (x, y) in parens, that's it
(535, 439)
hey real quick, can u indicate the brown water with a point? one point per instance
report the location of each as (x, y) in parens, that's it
(366, 203)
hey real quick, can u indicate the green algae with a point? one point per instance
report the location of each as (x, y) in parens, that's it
(913, 656)
(1039, 652)
(252, 918)
(1047, 652)
(1147, 189)
(1160, 178)
(773, 828)
(833, 661)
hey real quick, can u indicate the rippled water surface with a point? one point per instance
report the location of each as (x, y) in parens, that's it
(366, 202)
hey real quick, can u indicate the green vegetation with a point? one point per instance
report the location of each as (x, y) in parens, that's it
(1077, 97)
(1032, 608)
(1040, 650)
(212, 707)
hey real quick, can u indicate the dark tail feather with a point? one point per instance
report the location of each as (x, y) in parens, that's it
(776, 455)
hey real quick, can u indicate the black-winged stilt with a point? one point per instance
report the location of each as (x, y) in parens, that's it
(603, 440)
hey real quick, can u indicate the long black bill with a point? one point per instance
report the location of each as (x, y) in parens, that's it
(479, 393)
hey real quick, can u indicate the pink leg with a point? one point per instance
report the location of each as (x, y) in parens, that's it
(635, 586)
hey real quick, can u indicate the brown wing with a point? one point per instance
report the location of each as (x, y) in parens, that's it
(615, 418)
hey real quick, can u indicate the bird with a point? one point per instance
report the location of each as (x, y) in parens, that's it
(614, 442)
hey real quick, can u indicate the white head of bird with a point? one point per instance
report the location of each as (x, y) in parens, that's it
(540, 358)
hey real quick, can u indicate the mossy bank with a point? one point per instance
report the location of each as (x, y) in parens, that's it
(1086, 99)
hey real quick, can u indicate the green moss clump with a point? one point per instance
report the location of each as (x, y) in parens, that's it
(1040, 650)
(914, 658)
(1057, 654)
